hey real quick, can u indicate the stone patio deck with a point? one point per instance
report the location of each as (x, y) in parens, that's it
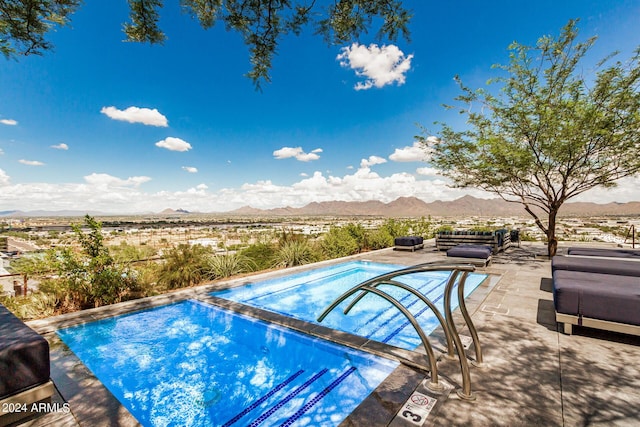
(533, 374)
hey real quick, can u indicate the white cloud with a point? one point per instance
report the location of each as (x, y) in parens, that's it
(297, 153)
(380, 66)
(61, 146)
(626, 190)
(31, 162)
(372, 160)
(190, 169)
(427, 171)
(106, 193)
(4, 178)
(106, 180)
(1, 152)
(174, 144)
(414, 153)
(145, 116)
(302, 174)
(8, 122)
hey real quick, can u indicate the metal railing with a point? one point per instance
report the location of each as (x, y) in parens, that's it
(454, 343)
(632, 232)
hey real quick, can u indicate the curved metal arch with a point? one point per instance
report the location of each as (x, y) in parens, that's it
(421, 296)
(449, 326)
(467, 318)
(465, 393)
(433, 384)
(420, 268)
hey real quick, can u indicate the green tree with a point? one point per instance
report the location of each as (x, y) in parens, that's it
(551, 133)
(29, 266)
(93, 242)
(90, 278)
(24, 24)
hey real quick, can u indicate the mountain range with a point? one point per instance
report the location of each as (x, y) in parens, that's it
(401, 207)
(414, 207)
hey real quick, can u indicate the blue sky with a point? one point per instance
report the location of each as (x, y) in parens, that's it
(101, 124)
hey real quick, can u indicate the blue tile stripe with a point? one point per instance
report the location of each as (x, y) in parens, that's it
(284, 401)
(407, 296)
(318, 398)
(395, 316)
(407, 323)
(262, 399)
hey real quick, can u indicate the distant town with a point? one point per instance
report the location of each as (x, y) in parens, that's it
(220, 232)
(152, 235)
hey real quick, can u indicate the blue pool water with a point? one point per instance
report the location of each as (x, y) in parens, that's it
(306, 295)
(193, 364)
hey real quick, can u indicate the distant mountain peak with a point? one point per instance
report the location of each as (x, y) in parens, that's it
(409, 206)
(170, 211)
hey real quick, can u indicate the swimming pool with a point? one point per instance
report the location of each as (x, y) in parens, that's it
(193, 364)
(305, 296)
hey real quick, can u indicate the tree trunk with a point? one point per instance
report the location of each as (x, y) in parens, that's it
(552, 242)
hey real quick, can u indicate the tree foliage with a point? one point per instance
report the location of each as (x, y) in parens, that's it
(24, 24)
(551, 133)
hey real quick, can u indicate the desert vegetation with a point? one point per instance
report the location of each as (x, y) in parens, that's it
(85, 272)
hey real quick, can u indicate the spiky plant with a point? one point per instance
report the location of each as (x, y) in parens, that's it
(227, 265)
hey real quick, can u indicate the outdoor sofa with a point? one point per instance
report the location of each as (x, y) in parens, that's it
(597, 292)
(498, 240)
(24, 368)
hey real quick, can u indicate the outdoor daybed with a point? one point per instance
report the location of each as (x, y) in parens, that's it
(607, 253)
(24, 364)
(597, 293)
(475, 254)
(410, 243)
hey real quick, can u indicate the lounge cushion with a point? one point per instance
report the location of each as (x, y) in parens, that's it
(470, 251)
(24, 355)
(596, 265)
(611, 253)
(610, 297)
(408, 241)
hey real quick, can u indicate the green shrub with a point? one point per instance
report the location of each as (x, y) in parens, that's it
(395, 228)
(359, 234)
(293, 253)
(124, 252)
(380, 239)
(183, 266)
(421, 227)
(227, 265)
(338, 242)
(261, 255)
(34, 306)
